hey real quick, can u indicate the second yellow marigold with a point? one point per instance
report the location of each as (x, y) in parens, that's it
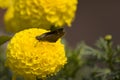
(40, 13)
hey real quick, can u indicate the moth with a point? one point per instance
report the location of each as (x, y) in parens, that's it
(51, 36)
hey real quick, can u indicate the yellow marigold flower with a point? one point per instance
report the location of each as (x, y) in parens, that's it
(40, 13)
(30, 58)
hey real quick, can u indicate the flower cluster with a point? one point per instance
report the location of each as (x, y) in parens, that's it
(28, 57)
(39, 13)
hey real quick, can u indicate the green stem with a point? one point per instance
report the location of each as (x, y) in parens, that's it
(110, 56)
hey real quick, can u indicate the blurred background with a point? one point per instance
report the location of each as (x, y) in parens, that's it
(94, 19)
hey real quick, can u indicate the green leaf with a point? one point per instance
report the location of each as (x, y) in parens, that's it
(4, 39)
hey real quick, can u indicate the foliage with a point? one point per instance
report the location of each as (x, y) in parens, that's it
(4, 39)
(88, 63)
